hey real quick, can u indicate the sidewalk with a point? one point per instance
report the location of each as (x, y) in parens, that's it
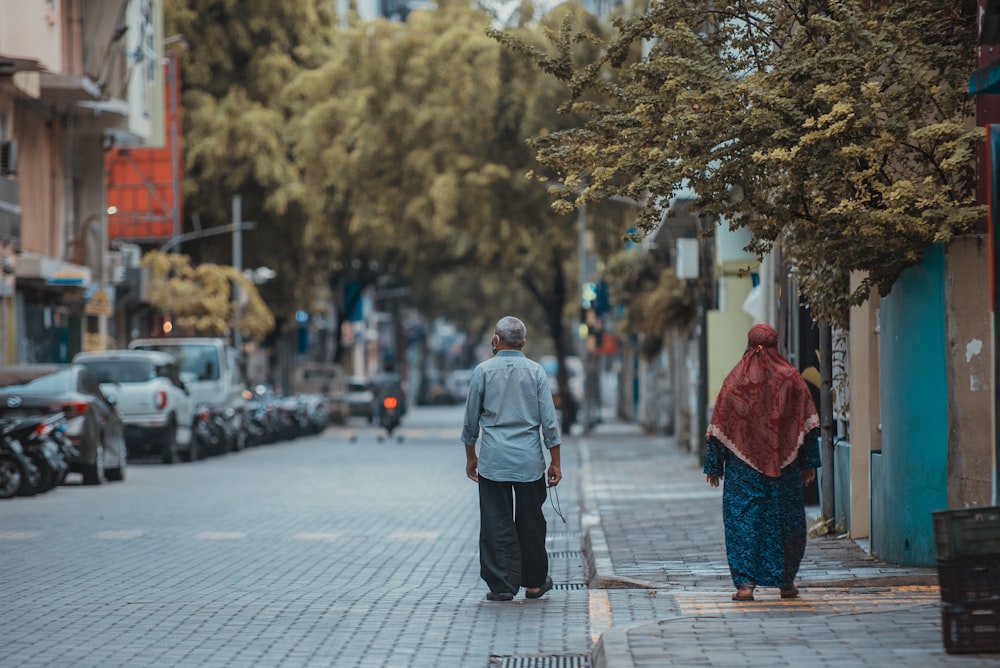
(654, 546)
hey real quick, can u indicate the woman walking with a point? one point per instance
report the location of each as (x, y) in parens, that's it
(763, 439)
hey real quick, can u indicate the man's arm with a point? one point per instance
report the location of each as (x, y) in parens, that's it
(555, 468)
(471, 463)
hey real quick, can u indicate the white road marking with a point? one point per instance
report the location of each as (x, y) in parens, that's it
(122, 534)
(19, 535)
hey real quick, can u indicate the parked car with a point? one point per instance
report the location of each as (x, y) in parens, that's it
(151, 399)
(92, 422)
(457, 382)
(326, 379)
(360, 397)
(215, 376)
(433, 389)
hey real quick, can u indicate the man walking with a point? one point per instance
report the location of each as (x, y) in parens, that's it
(510, 402)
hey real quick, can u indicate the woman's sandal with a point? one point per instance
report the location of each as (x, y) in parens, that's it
(743, 594)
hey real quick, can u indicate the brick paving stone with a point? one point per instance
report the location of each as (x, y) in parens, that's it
(337, 552)
(319, 552)
(656, 536)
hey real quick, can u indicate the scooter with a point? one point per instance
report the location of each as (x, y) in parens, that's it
(208, 438)
(15, 468)
(44, 445)
(389, 416)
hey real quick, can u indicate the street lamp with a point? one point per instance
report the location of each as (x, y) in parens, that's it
(260, 275)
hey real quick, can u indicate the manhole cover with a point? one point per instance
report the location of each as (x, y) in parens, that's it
(541, 661)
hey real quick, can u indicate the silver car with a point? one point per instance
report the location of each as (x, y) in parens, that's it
(92, 423)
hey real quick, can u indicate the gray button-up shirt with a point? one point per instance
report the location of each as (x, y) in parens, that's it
(509, 398)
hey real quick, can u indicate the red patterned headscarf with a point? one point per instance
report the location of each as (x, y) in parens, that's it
(764, 409)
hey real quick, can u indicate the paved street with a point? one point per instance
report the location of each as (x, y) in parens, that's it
(344, 550)
(330, 551)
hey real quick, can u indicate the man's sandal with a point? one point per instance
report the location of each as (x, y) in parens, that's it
(499, 596)
(538, 592)
(789, 592)
(743, 594)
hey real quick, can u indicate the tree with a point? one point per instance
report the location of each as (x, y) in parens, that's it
(412, 139)
(381, 151)
(200, 299)
(237, 60)
(835, 129)
(655, 302)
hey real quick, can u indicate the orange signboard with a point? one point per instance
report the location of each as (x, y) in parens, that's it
(140, 186)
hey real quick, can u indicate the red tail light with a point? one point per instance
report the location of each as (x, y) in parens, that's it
(43, 429)
(389, 402)
(73, 409)
(160, 400)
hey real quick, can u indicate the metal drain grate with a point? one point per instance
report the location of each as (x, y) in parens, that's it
(571, 554)
(541, 661)
(558, 535)
(569, 585)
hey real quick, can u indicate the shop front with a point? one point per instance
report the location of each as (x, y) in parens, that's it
(49, 308)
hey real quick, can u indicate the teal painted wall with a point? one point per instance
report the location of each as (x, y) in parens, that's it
(911, 479)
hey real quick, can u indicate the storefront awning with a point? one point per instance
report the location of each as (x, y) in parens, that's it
(68, 89)
(12, 65)
(52, 272)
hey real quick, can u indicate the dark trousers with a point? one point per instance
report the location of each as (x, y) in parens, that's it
(512, 534)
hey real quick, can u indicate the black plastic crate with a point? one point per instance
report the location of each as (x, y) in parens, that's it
(970, 580)
(967, 531)
(970, 629)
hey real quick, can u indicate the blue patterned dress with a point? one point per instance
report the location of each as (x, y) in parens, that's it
(764, 517)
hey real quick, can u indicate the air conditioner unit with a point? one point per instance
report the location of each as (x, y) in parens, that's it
(127, 256)
(8, 157)
(131, 254)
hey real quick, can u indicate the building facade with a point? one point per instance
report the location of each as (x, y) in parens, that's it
(76, 77)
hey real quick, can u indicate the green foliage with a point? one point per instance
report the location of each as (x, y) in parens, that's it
(200, 299)
(412, 139)
(837, 130)
(236, 61)
(655, 301)
(384, 151)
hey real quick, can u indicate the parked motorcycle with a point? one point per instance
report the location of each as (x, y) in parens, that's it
(208, 437)
(45, 446)
(15, 468)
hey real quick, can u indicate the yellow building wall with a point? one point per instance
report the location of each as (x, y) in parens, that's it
(865, 413)
(727, 331)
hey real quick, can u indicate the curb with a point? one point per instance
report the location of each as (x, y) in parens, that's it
(612, 649)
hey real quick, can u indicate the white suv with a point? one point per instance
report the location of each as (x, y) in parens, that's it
(152, 400)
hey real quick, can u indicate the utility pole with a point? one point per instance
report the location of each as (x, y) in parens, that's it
(238, 265)
(175, 187)
(828, 474)
(583, 414)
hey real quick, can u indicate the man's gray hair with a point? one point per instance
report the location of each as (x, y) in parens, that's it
(511, 331)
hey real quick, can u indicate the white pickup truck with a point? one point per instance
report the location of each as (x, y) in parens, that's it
(211, 372)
